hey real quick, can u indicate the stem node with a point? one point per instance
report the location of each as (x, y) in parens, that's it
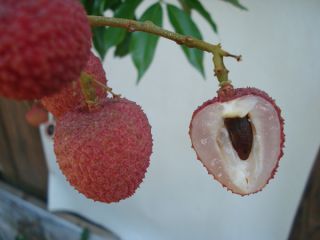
(188, 41)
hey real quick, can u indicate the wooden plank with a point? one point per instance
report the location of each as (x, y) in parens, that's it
(19, 217)
(22, 158)
(7, 167)
(307, 221)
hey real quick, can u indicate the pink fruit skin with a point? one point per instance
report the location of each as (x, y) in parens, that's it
(71, 96)
(230, 94)
(44, 45)
(36, 115)
(104, 153)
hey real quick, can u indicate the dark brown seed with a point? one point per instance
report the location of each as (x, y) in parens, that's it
(241, 135)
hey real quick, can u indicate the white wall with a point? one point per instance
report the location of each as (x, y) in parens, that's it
(279, 41)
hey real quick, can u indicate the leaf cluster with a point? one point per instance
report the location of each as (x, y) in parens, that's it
(142, 46)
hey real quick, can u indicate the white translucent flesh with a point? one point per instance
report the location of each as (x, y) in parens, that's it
(211, 141)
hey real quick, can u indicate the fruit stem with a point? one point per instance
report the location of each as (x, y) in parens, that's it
(88, 90)
(107, 89)
(149, 27)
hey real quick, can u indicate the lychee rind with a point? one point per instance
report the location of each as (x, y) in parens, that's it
(44, 45)
(104, 153)
(229, 94)
(71, 96)
(36, 115)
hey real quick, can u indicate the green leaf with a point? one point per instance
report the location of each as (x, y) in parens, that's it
(236, 3)
(143, 45)
(196, 5)
(113, 4)
(96, 7)
(85, 235)
(185, 7)
(87, 4)
(114, 36)
(99, 40)
(123, 48)
(183, 24)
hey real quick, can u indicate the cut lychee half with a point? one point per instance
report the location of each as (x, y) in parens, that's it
(238, 136)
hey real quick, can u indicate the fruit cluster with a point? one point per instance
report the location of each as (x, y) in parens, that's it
(103, 143)
(103, 150)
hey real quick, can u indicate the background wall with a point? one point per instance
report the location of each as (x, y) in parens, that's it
(178, 200)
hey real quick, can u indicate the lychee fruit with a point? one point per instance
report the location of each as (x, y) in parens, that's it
(36, 115)
(238, 136)
(71, 96)
(44, 45)
(104, 153)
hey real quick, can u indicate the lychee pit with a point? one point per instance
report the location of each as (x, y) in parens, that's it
(241, 136)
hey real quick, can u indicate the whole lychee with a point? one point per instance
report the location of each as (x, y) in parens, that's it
(36, 115)
(238, 136)
(104, 153)
(71, 96)
(44, 45)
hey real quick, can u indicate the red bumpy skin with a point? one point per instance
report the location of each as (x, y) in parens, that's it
(44, 45)
(104, 153)
(69, 97)
(213, 142)
(36, 115)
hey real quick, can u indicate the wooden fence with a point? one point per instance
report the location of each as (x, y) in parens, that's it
(22, 161)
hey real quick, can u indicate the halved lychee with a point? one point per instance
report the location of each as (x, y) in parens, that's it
(238, 136)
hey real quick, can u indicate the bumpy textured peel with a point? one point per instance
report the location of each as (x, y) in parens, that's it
(44, 45)
(104, 153)
(213, 147)
(36, 115)
(71, 96)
